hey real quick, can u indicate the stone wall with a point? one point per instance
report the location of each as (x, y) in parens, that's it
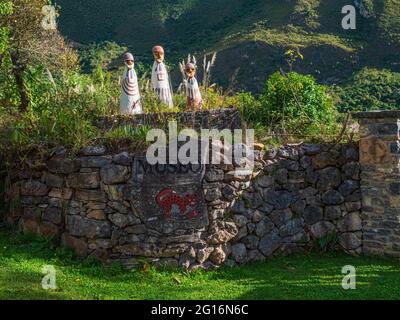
(114, 208)
(380, 181)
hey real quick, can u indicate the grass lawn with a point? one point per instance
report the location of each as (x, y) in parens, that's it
(317, 276)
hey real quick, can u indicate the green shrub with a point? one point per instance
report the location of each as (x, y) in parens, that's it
(291, 104)
(370, 89)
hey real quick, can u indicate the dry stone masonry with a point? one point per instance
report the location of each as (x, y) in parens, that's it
(116, 207)
(380, 163)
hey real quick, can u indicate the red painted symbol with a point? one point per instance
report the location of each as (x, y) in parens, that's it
(172, 203)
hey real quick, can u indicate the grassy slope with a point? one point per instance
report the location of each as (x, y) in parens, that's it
(296, 277)
(255, 29)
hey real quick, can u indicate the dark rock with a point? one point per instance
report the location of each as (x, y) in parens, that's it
(323, 160)
(289, 164)
(350, 223)
(114, 174)
(281, 176)
(257, 216)
(349, 241)
(351, 154)
(351, 170)
(213, 194)
(84, 180)
(238, 207)
(240, 220)
(321, 229)
(269, 243)
(90, 195)
(298, 207)
(394, 189)
(353, 206)
(255, 255)
(252, 200)
(291, 227)
(264, 227)
(307, 192)
(34, 188)
(332, 197)
(288, 153)
(281, 217)
(305, 162)
(328, 178)
(62, 165)
(94, 150)
(283, 200)
(123, 159)
(239, 253)
(78, 245)
(312, 214)
(118, 206)
(266, 208)
(355, 196)
(53, 215)
(120, 220)
(332, 212)
(82, 227)
(228, 193)
(265, 181)
(138, 229)
(348, 187)
(94, 162)
(48, 229)
(251, 242)
(311, 176)
(311, 149)
(271, 153)
(53, 180)
(214, 175)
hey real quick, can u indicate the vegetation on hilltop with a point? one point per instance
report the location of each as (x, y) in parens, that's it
(243, 31)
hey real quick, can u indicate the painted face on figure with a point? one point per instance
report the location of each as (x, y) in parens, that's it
(158, 56)
(190, 71)
(129, 63)
(158, 53)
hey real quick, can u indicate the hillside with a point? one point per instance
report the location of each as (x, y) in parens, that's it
(250, 36)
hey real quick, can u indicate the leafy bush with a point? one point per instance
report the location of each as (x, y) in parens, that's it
(291, 104)
(370, 89)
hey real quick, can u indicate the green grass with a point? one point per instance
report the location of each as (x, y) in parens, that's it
(297, 277)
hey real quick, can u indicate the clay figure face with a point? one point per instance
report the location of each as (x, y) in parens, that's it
(158, 53)
(129, 63)
(159, 56)
(190, 71)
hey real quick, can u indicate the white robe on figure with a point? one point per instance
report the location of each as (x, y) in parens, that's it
(193, 92)
(161, 85)
(130, 95)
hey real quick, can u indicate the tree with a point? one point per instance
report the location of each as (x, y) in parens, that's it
(31, 44)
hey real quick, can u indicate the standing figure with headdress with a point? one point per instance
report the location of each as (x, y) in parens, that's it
(130, 95)
(193, 95)
(160, 77)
